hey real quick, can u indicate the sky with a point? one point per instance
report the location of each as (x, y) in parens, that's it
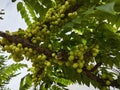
(12, 21)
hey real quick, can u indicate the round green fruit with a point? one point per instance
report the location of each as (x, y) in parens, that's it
(19, 45)
(71, 53)
(34, 41)
(89, 67)
(108, 82)
(71, 58)
(81, 65)
(79, 70)
(17, 49)
(39, 57)
(70, 14)
(43, 57)
(75, 65)
(103, 76)
(53, 54)
(49, 46)
(94, 54)
(48, 63)
(30, 50)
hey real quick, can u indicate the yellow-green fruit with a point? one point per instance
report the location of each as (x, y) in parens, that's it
(48, 63)
(34, 41)
(26, 48)
(70, 14)
(38, 38)
(75, 65)
(13, 47)
(28, 54)
(95, 51)
(66, 3)
(94, 54)
(60, 62)
(63, 7)
(91, 66)
(50, 46)
(6, 47)
(19, 45)
(53, 54)
(81, 65)
(71, 58)
(88, 67)
(81, 57)
(29, 34)
(79, 70)
(56, 22)
(30, 50)
(71, 53)
(17, 49)
(62, 15)
(103, 76)
(108, 82)
(39, 57)
(43, 57)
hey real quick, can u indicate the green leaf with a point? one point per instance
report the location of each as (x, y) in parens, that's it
(10, 71)
(90, 11)
(85, 80)
(30, 8)
(62, 81)
(55, 87)
(13, 0)
(21, 8)
(26, 82)
(108, 8)
(47, 3)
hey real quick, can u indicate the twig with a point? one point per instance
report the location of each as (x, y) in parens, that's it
(96, 67)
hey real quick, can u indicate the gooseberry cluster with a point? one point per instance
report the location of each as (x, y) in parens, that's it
(95, 50)
(76, 57)
(108, 77)
(41, 34)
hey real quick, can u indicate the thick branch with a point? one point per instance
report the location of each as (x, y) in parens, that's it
(61, 55)
(26, 43)
(102, 82)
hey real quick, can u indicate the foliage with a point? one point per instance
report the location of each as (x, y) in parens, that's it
(7, 71)
(67, 44)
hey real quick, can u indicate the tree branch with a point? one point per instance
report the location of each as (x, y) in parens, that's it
(26, 43)
(102, 82)
(96, 67)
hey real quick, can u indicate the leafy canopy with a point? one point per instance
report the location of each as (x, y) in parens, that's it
(67, 41)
